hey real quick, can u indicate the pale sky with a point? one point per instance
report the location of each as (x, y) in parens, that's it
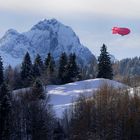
(92, 21)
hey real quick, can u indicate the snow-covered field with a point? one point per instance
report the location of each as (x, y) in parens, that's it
(63, 95)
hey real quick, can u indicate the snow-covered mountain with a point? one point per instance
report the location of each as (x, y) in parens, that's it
(44, 37)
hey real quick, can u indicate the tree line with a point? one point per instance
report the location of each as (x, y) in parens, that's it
(66, 70)
(128, 71)
(63, 71)
(111, 114)
(26, 114)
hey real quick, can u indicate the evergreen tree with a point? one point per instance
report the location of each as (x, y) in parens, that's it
(37, 90)
(47, 61)
(49, 64)
(49, 69)
(72, 70)
(39, 113)
(5, 113)
(104, 65)
(26, 70)
(18, 82)
(9, 76)
(38, 66)
(1, 71)
(62, 67)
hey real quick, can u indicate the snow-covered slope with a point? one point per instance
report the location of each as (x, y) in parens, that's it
(44, 37)
(62, 95)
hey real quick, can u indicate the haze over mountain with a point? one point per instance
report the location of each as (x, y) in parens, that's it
(44, 37)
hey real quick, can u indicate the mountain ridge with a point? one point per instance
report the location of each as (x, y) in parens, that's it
(44, 37)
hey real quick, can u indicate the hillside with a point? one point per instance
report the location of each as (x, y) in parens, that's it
(62, 95)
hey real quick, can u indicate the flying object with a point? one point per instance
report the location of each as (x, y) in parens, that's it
(120, 30)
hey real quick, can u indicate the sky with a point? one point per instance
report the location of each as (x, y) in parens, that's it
(92, 21)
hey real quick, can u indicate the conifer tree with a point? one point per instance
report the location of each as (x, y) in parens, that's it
(37, 90)
(47, 61)
(49, 64)
(18, 82)
(49, 68)
(104, 65)
(1, 71)
(9, 76)
(40, 113)
(62, 68)
(26, 70)
(38, 66)
(72, 70)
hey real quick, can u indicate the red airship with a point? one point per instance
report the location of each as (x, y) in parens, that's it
(120, 30)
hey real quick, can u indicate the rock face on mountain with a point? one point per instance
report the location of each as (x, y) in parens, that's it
(44, 37)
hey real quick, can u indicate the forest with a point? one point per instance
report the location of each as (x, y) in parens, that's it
(110, 114)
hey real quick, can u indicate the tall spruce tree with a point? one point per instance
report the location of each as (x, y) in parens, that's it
(1, 71)
(72, 70)
(47, 61)
(104, 65)
(26, 70)
(62, 68)
(49, 69)
(40, 114)
(37, 66)
(49, 64)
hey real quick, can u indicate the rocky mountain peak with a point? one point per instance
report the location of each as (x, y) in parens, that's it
(44, 37)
